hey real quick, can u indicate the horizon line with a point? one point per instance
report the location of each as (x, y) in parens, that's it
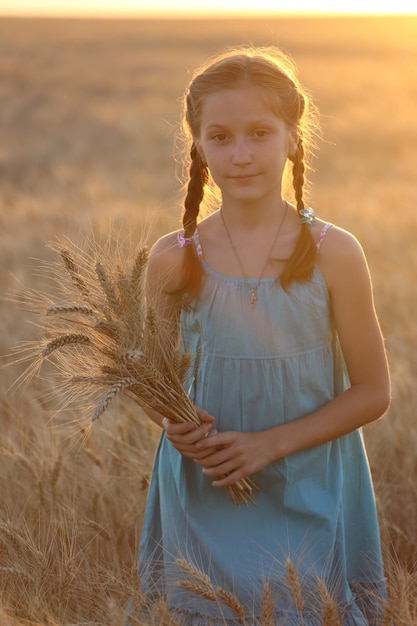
(204, 14)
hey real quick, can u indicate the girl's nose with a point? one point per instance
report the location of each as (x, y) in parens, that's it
(242, 154)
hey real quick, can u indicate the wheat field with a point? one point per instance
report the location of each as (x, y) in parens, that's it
(88, 118)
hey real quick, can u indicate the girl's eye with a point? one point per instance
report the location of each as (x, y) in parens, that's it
(260, 133)
(220, 137)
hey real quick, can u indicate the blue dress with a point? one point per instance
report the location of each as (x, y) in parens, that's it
(256, 368)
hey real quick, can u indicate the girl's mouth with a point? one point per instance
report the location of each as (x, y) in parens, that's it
(244, 176)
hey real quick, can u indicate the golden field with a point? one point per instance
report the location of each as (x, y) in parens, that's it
(88, 118)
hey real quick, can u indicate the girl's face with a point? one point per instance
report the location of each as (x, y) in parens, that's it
(244, 144)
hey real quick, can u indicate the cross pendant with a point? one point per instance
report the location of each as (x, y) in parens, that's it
(253, 297)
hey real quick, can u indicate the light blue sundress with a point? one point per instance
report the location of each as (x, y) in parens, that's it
(256, 368)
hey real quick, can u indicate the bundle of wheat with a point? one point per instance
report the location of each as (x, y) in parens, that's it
(104, 334)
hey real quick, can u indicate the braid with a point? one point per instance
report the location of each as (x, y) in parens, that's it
(298, 171)
(195, 192)
(191, 270)
(300, 265)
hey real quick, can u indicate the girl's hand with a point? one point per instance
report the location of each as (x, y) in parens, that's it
(184, 436)
(235, 456)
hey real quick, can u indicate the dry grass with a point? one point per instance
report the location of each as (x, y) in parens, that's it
(87, 122)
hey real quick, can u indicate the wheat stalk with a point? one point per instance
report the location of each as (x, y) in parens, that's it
(58, 309)
(295, 588)
(192, 570)
(231, 602)
(330, 613)
(65, 340)
(100, 530)
(202, 586)
(13, 536)
(108, 289)
(21, 574)
(267, 614)
(398, 609)
(74, 274)
(123, 346)
(200, 590)
(122, 384)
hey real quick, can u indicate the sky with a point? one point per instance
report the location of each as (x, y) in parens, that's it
(181, 8)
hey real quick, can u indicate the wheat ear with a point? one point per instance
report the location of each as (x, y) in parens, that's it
(267, 614)
(205, 588)
(65, 340)
(295, 588)
(231, 602)
(108, 288)
(198, 589)
(124, 383)
(58, 309)
(74, 274)
(330, 614)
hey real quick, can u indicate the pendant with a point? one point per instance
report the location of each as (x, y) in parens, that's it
(253, 297)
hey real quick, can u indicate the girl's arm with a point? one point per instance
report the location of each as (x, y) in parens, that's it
(344, 267)
(163, 278)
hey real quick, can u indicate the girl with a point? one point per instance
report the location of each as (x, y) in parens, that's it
(289, 364)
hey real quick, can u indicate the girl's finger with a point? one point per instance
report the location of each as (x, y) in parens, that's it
(204, 416)
(174, 428)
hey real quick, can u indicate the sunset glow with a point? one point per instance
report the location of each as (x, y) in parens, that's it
(190, 8)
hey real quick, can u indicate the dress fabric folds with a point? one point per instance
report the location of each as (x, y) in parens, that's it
(255, 368)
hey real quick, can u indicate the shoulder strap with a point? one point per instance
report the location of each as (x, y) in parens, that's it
(322, 235)
(197, 245)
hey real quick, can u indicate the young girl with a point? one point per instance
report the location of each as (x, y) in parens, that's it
(276, 307)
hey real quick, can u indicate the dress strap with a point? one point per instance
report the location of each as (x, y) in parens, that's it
(322, 235)
(195, 240)
(189, 241)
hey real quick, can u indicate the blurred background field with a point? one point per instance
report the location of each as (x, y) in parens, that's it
(89, 112)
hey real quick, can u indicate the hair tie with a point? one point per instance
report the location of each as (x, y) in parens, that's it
(184, 241)
(307, 216)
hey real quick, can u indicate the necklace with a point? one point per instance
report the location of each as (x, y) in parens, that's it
(254, 288)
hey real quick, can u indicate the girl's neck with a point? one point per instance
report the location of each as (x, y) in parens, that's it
(253, 215)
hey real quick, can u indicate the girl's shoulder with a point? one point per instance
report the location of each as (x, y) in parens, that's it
(334, 241)
(339, 254)
(166, 260)
(166, 245)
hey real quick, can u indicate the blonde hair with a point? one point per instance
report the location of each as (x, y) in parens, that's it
(273, 72)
